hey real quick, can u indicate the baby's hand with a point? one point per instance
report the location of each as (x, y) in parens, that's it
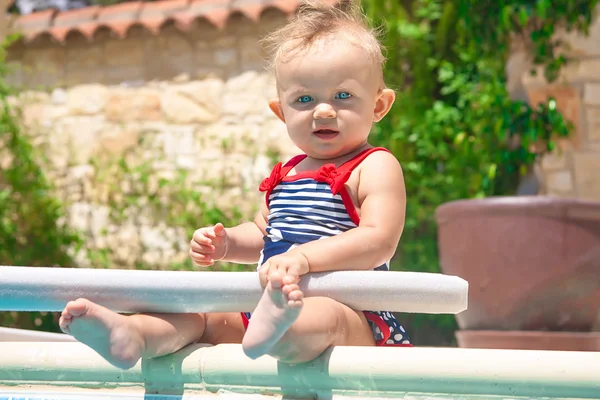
(287, 266)
(209, 245)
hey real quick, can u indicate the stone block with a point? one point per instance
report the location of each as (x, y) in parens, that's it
(79, 216)
(246, 94)
(568, 74)
(592, 114)
(594, 146)
(559, 181)
(580, 44)
(87, 99)
(587, 177)
(232, 138)
(177, 140)
(99, 220)
(589, 69)
(127, 244)
(59, 96)
(38, 118)
(554, 161)
(133, 105)
(82, 134)
(115, 139)
(568, 102)
(194, 102)
(591, 94)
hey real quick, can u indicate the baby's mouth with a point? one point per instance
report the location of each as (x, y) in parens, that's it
(326, 133)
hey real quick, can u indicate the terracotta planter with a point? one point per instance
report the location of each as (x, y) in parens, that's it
(533, 263)
(530, 340)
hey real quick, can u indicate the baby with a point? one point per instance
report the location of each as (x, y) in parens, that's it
(338, 206)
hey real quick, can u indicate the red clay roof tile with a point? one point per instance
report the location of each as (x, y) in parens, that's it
(214, 11)
(73, 20)
(155, 14)
(252, 9)
(36, 24)
(119, 18)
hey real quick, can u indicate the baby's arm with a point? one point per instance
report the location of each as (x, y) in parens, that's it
(382, 198)
(245, 241)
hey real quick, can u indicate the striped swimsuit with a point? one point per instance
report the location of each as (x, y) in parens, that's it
(313, 205)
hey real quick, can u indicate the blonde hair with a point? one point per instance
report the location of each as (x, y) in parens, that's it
(316, 20)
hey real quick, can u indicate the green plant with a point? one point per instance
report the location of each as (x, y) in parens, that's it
(454, 127)
(136, 188)
(30, 234)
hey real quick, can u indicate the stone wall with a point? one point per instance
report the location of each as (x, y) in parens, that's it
(125, 124)
(574, 169)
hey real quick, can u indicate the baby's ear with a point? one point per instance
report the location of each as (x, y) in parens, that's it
(275, 106)
(385, 100)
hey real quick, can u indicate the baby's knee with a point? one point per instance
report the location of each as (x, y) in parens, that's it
(301, 345)
(294, 350)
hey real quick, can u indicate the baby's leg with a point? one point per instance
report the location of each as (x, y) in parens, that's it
(277, 310)
(323, 323)
(123, 340)
(293, 329)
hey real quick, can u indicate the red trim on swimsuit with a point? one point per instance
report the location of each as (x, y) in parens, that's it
(245, 320)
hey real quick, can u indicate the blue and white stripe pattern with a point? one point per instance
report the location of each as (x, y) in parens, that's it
(303, 210)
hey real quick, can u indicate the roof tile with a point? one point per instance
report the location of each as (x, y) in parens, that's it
(215, 11)
(35, 24)
(74, 20)
(155, 14)
(119, 18)
(250, 8)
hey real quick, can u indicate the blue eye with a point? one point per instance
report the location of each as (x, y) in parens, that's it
(343, 95)
(304, 99)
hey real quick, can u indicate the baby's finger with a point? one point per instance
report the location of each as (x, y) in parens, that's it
(202, 249)
(263, 274)
(200, 236)
(200, 259)
(211, 234)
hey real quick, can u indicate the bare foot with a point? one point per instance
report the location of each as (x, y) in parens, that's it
(278, 308)
(111, 335)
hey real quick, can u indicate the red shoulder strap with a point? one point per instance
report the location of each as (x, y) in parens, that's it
(354, 162)
(291, 164)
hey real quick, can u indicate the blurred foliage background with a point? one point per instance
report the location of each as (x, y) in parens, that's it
(454, 127)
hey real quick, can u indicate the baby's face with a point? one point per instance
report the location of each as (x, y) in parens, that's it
(329, 98)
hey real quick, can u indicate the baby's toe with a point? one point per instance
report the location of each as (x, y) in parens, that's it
(289, 288)
(296, 295)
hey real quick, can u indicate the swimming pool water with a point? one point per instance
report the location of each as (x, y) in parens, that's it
(125, 396)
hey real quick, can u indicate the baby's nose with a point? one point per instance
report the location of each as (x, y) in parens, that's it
(324, 110)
